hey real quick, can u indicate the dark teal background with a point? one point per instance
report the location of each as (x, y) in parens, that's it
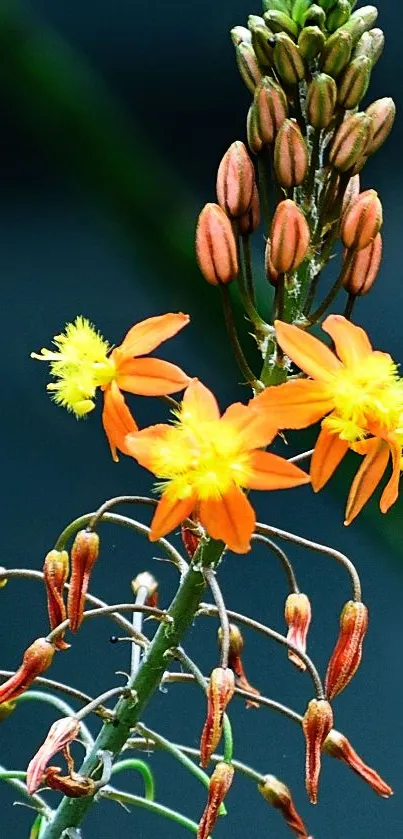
(114, 118)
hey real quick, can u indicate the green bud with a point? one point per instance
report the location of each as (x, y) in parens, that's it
(314, 16)
(278, 5)
(260, 41)
(240, 34)
(354, 82)
(360, 21)
(247, 65)
(337, 53)
(378, 43)
(338, 15)
(321, 100)
(311, 41)
(382, 113)
(280, 22)
(288, 60)
(298, 10)
(350, 141)
(369, 15)
(327, 4)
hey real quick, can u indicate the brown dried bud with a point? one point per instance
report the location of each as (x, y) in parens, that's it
(316, 724)
(219, 693)
(290, 155)
(338, 15)
(297, 615)
(55, 573)
(354, 82)
(216, 250)
(279, 796)
(311, 41)
(235, 179)
(337, 53)
(73, 786)
(288, 60)
(219, 785)
(278, 21)
(271, 273)
(350, 141)
(321, 100)
(249, 222)
(236, 644)
(36, 659)
(347, 653)
(59, 736)
(363, 267)
(248, 65)
(270, 108)
(336, 745)
(382, 113)
(289, 237)
(84, 555)
(362, 221)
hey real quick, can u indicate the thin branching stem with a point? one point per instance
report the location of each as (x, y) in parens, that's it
(128, 799)
(288, 568)
(119, 499)
(243, 365)
(145, 771)
(219, 601)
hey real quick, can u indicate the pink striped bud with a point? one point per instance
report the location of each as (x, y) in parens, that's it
(354, 83)
(382, 113)
(271, 108)
(250, 221)
(362, 221)
(248, 65)
(321, 100)
(279, 796)
(279, 21)
(235, 179)
(261, 37)
(351, 141)
(337, 53)
(363, 267)
(289, 237)
(351, 193)
(216, 251)
(336, 745)
(297, 615)
(290, 155)
(311, 41)
(316, 724)
(288, 60)
(347, 653)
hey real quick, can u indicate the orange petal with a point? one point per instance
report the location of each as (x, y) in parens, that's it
(367, 478)
(169, 514)
(141, 445)
(145, 336)
(199, 402)
(295, 404)
(391, 491)
(150, 377)
(116, 419)
(230, 518)
(351, 342)
(252, 422)
(311, 355)
(269, 471)
(328, 452)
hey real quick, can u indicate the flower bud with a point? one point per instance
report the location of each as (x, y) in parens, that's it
(219, 693)
(271, 273)
(297, 615)
(339, 15)
(311, 41)
(60, 735)
(279, 796)
(327, 5)
(219, 785)
(36, 659)
(252, 131)
(321, 100)
(248, 65)
(350, 141)
(191, 535)
(78, 786)
(351, 193)
(356, 26)
(337, 53)
(55, 574)
(271, 108)
(336, 745)
(382, 113)
(347, 653)
(359, 165)
(354, 82)
(314, 16)
(261, 36)
(367, 14)
(281, 22)
(288, 60)
(289, 237)
(236, 644)
(240, 34)
(235, 179)
(216, 250)
(362, 221)
(363, 267)
(316, 724)
(290, 155)
(84, 555)
(145, 580)
(249, 222)
(378, 43)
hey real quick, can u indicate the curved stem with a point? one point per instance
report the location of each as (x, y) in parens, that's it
(288, 568)
(63, 707)
(137, 637)
(143, 743)
(145, 771)
(243, 365)
(219, 601)
(35, 800)
(99, 700)
(120, 499)
(126, 798)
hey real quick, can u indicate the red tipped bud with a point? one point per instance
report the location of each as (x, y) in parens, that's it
(321, 100)
(351, 141)
(288, 60)
(297, 615)
(270, 110)
(271, 273)
(311, 41)
(382, 113)
(219, 785)
(216, 246)
(60, 735)
(76, 786)
(347, 653)
(316, 724)
(84, 555)
(279, 796)
(55, 573)
(362, 220)
(279, 21)
(249, 222)
(289, 237)
(36, 659)
(235, 179)
(362, 268)
(146, 581)
(337, 53)
(236, 644)
(219, 693)
(248, 65)
(290, 155)
(337, 745)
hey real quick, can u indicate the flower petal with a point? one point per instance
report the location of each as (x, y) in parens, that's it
(199, 402)
(150, 377)
(367, 478)
(269, 471)
(252, 422)
(328, 452)
(169, 514)
(141, 445)
(351, 342)
(295, 404)
(116, 419)
(230, 518)
(145, 336)
(391, 491)
(307, 352)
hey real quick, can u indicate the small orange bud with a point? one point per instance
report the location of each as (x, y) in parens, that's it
(362, 220)
(382, 113)
(337, 745)
(235, 179)
(363, 267)
(84, 555)
(60, 735)
(279, 796)
(55, 574)
(288, 60)
(297, 615)
(219, 785)
(289, 237)
(219, 693)
(271, 273)
(316, 724)
(270, 109)
(216, 246)
(290, 155)
(36, 659)
(248, 65)
(321, 100)
(350, 141)
(354, 83)
(73, 786)
(249, 222)
(347, 653)
(236, 644)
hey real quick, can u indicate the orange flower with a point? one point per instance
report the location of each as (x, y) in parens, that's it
(359, 393)
(205, 460)
(83, 362)
(337, 745)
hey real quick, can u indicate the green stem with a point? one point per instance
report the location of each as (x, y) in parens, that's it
(247, 261)
(243, 365)
(63, 707)
(35, 801)
(136, 800)
(289, 570)
(228, 739)
(140, 743)
(144, 769)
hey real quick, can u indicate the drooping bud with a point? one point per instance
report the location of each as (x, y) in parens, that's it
(36, 659)
(249, 222)
(337, 53)
(219, 785)
(314, 16)
(297, 615)
(146, 581)
(351, 193)
(73, 786)
(338, 15)
(288, 60)
(289, 237)
(280, 22)
(311, 41)
(347, 653)
(216, 250)
(362, 220)
(363, 267)
(271, 273)
(191, 535)
(351, 141)
(261, 36)
(336, 745)
(354, 82)
(382, 113)
(248, 65)
(240, 34)
(290, 155)
(279, 796)
(60, 735)
(316, 724)
(219, 693)
(236, 644)
(321, 100)
(55, 574)
(235, 179)
(271, 109)
(84, 555)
